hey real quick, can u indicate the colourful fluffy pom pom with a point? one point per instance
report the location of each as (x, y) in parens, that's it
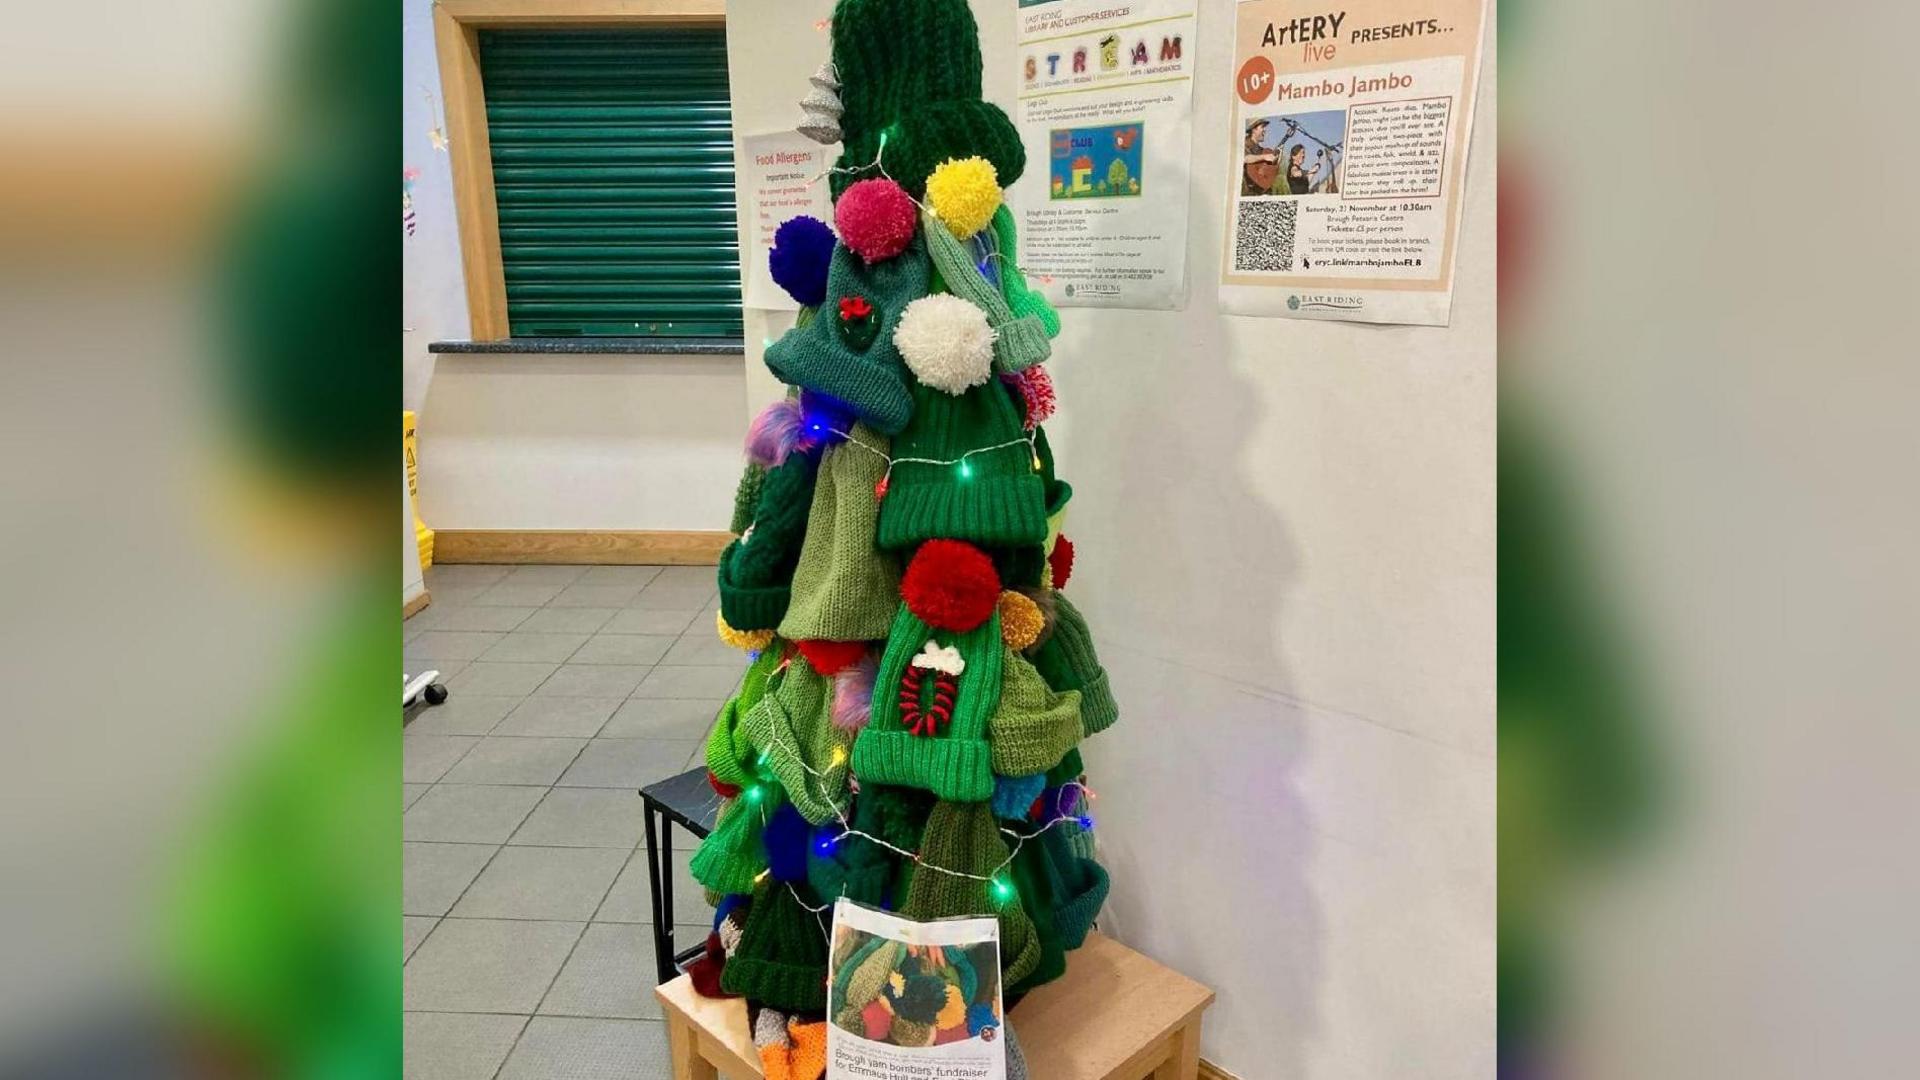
(1036, 391)
(1060, 561)
(964, 193)
(750, 640)
(876, 219)
(853, 695)
(779, 430)
(831, 657)
(946, 342)
(802, 250)
(1021, 620)
(950, 585)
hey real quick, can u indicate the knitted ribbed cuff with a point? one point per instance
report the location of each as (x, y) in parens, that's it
(1098, 710)
(1025, 743)
(1059, 494)
(1074, 916)
(1025, 957)
(779, 986)
(988, 510)
(725, 871)
(721, 758)
(1022, 343)
(754, 609)
(957, 770)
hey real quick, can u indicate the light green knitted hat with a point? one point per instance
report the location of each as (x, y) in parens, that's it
(732, 856)
(729, 752)
(1021, 300)
(792, 728)
(1067, 661)
(1034, 726)
(954, 763)
(845, 588)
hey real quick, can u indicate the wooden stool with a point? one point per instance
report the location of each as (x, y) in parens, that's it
(1115, 1015)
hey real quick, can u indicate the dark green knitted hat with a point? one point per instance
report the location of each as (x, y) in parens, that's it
(847, 352)
(1034, 880)
(861, 869)
(756, 571)
(965, 837)
(792, 728)
(993, 498)
(746, 495)
(956, 761)
(910, 69)
(782, 959)
(845, 589)
(1079, 886)
(1034, 727)
(1059, 492)
(1067, 661)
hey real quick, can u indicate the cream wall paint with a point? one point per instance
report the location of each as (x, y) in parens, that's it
(1286, 535)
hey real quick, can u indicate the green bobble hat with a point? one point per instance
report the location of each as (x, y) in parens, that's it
(732, 856)
(1067, 661)
(756, 571)
(954, 762)
(860, 869)
(1068, 771)
(849, 355)
(792, 728)
(746, 495)
(965, 837)
(729, 751)
(994, 498)
(782, 959)
(1022, 340)
(1079, 886)
(1034, 726)
(910, 70)
(1021, 300)
(844, 588)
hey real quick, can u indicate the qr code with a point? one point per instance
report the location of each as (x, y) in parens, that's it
(1263, 235)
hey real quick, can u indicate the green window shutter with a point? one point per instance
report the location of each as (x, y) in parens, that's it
(613, 170)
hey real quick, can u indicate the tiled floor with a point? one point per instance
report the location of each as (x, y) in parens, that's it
(528, 941)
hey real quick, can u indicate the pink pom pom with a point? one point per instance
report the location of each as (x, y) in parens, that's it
(853, 695)
(775, 433)
(875, 219)
(1036, 389)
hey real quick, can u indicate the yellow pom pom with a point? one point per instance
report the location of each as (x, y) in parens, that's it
(742, 639)
(1020, 620)
(964, 193)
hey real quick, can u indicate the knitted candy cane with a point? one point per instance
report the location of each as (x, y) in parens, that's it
(945, 665)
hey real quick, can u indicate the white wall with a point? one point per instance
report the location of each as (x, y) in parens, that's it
(546, 442)
(1286, 538)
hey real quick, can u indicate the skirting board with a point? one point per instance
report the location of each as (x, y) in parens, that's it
(1210, 1071)
(579, 546)
(412, 606)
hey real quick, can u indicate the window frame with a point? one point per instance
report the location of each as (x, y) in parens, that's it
(457, 25)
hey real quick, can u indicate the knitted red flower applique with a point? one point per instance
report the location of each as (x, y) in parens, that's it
(858, 326)
(855, 307)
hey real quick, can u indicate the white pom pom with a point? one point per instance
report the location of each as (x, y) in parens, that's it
(946, 342)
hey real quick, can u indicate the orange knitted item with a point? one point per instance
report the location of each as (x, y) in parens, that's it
(809, 1050)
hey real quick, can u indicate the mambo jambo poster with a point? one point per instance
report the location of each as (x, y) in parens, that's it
(913, 1000)
(1351, 128)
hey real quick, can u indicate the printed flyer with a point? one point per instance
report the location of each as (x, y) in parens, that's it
(777, 186)
(913, 1000)
(1105, 112)
(1351, 128)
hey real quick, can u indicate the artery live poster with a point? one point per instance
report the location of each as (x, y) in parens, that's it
(1349, 151)
(1105, 112)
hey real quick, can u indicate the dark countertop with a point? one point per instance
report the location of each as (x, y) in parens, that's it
(621, 345)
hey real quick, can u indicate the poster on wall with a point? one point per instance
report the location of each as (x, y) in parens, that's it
(912, 1000)
(1349, 149)
(777, 185)
(1105, 112)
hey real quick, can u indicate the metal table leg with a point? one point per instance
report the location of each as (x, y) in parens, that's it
(662, 941)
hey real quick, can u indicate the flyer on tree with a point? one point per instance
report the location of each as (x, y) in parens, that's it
(913, 1000)
(1351, 125)
(1105, 113)
(782, 181)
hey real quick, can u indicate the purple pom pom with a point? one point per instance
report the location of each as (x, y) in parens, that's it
(775, 433)
(802, 248)
(786, 837)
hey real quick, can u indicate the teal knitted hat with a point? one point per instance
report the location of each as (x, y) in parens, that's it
(845, 589)
(756, 570)
(1020, 341)
(847, 351)
(782, 959)
(1079, 886)
(792, 727)
(1034, 727)
(993, 497)
(1067, 661)
(916, 677)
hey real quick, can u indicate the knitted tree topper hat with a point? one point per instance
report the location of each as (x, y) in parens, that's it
(992, 497)
(1022, 340)
(1067, 661)
(848, 352)
(965, 837)
(756, 571)
(799, 743)
(782, 959)
(1034, 727)
(844, 589)
(909, 71)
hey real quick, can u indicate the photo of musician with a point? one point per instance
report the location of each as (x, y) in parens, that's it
(1293, 155)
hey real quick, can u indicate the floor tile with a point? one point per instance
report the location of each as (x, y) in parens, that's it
(414, 930)
(595, 596)
(627, 763)
(501, 759)
(456, 594)
(458, 1046)
(463, 714)
(646, 621)
(410, 794)
(706, 682)
(631, 898)
(524, 645)
(592, 680)
(434, 875)
(568, 1048)
(550, 574)
(426, 758)
(499, 619)
(580, 717)
(583, 620)
(663, 718)
(450, 644)
(687, 576)
(583, 817)
(444, 670)
(487, 965)
(501, 678)
(512, 593)
(610, 974)
(470, 813)
(643, 649)
(464, 574)
(542, 883)
(697, 647)
(635, 576)
(676, 596)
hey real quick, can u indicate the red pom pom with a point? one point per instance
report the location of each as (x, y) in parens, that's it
(830, 657)
(1061, 560)
(721, 787)
(950, 585)
(875, 219)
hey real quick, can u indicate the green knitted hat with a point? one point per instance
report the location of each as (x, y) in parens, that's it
(782, 959)
(1032, 876)
(729, 752)
(993, 498)
(845, 589)
(792, 728)
(1021, 300)
(1079, 887)
(732, 856)
(1020, 341)
(954, 763)
(1068, 771)
(756, 571)
(1067, 661)
(746, 495)
(848, 355)
(965, 837)
(860, 869)
(911, 69)
(1059, 492)
(1034, 727)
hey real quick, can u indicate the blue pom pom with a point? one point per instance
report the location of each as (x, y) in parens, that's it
(727, 904)
(802, 248)
(786, 837)
(1013, 795)
(821, 416)
(980, 1018)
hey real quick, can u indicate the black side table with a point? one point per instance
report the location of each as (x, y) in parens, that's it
(690, 801)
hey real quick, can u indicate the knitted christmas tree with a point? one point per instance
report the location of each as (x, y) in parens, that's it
(907, 732)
